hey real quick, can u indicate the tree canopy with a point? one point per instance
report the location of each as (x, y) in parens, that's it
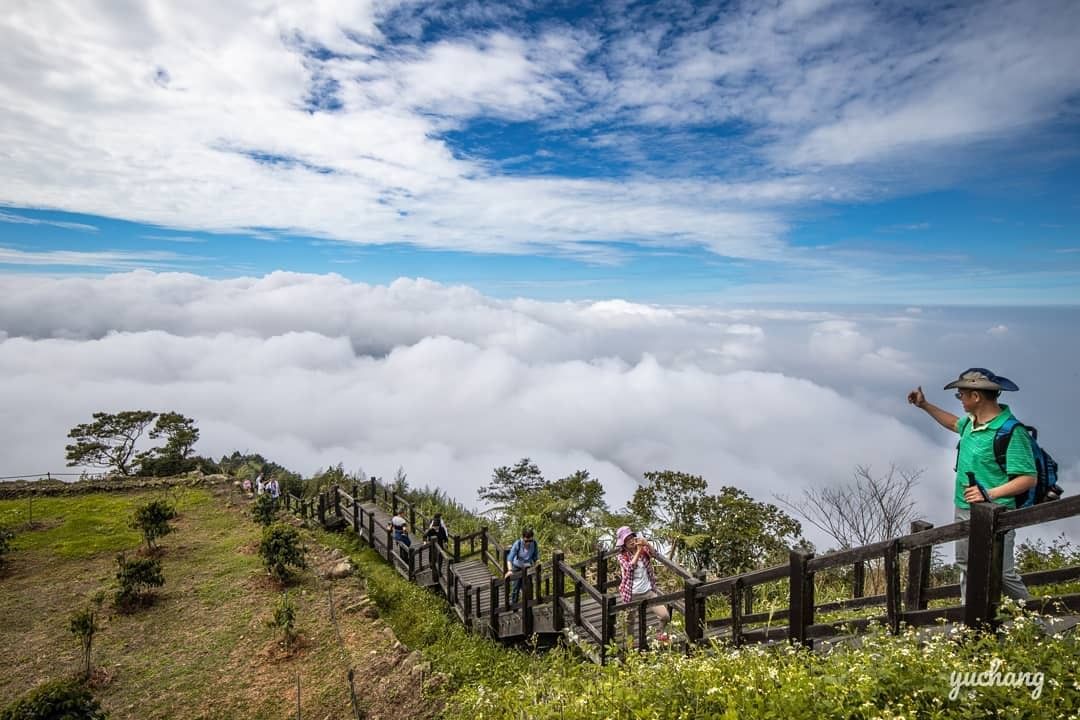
(108, 441)
(724, 533)
(569, 513)
(174, 456)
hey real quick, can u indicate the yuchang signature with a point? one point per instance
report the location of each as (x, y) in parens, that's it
(995, 678)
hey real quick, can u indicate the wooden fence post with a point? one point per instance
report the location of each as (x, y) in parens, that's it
(918, 571)
(892, 586)
(322, 509)
(356, 516)
(800, 598)
(607, 625)
(526, 604)
(601, 571)
(484, 545)
(371, 484)
(412, 518)
(412, 563)
(393, 503)
(468, 607)
(337, 501)
(737, 605)
(693, 620)
(557, 590)
(390, 548)
(984, 565)
(493, 606)
(457, 548)
(858, 582)
(371, 529)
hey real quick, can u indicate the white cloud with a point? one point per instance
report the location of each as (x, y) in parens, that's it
(313, 370)
(16, 219)
(109, 259)
(219, 116)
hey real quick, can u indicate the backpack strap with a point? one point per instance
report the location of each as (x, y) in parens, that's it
(960, 431)
(1002, 438)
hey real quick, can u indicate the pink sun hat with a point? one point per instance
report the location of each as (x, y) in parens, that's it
(621, 534)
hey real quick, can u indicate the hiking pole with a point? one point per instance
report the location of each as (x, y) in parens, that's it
(972, 482)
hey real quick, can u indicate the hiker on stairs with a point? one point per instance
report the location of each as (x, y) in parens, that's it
(638, 580)
(522, 555)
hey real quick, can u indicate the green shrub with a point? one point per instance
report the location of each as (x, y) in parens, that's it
(83, 625)
(6, 536)
(55, 700)
(136, 579)
(281, 551)
(909, 676)
(264, 510)
(152, 519)
(421, 619)
(285, 619)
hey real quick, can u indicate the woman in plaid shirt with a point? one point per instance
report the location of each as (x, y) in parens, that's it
(638, 580)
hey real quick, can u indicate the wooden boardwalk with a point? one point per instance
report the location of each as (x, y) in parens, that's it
(578, 603)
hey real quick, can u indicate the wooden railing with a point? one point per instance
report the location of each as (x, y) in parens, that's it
(564, 589)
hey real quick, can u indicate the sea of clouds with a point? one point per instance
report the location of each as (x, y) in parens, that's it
(312, 370)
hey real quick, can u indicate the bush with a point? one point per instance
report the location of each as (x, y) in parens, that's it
(420, 620)
(136, 579)
(905, 676)
(6, 537)
(83, 625)
(281, 551)
(285, 619)
(152, 519)
(264, 510)
(55, 700)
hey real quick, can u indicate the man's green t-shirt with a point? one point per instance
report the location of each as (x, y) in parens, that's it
(976, 454)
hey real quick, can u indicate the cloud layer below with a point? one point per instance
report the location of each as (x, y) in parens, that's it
(313, 370)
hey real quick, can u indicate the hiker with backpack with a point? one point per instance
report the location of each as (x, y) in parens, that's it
(521, 556)
(400, 526)
(995, 461)
(437, 531)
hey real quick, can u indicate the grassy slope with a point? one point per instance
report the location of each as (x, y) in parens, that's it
(204, 649)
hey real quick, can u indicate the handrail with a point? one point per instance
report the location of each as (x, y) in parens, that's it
(849, 555)
(756, 577)
(585, 584)
(1045, 512)
(471, 536)
(668, 599)
(903, 602)
(672, 565)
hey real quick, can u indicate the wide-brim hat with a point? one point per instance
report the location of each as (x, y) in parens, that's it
(981, 379)
(621, 534)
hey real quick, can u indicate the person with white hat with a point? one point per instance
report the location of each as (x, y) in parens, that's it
(979, 477)
(638, 580)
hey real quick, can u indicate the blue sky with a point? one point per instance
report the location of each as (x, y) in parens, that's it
(799, 152)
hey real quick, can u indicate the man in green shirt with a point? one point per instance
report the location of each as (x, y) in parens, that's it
(978, 390)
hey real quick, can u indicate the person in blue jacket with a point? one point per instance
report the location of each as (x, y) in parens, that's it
(523, 555)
